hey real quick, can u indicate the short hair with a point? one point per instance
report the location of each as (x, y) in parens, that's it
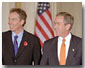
(22, 14)
(68, 18)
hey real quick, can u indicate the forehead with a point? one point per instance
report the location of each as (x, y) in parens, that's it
(14, 14)
(59, 18)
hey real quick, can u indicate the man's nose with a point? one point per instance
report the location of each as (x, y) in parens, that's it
(54, 25)
(9, 22)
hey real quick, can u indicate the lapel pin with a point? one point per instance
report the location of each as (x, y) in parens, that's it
(73, 49)
(25, 43)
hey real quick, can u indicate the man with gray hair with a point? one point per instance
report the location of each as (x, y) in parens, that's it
(65, 48)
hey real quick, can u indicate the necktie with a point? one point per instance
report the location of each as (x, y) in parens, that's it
(15, 45)
(63, 53)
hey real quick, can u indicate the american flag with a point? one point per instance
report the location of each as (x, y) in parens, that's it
(44, 28)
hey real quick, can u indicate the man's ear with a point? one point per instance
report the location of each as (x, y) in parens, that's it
(22, 22)
(68, 27)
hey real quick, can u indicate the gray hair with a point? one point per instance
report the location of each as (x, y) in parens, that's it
(68, 18)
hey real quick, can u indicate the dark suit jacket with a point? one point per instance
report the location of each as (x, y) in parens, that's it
(25, 55)
(50, 54)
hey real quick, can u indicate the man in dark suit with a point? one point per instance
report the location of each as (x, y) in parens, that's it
(18, 46)
(65, 48)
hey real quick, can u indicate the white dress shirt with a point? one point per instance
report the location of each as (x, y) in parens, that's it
(67, 43)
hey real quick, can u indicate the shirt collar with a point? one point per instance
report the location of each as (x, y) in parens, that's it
(19, 35)
(67, 38)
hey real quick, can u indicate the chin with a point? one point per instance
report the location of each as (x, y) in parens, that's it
(11, 29)
(56, 34)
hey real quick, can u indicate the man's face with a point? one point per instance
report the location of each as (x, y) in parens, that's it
(14, 22)
(59, 26)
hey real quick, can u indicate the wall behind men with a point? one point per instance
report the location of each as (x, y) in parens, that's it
(6, 6)
(74, 8)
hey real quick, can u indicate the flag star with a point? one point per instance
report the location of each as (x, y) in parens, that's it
(44, 8)
(41, 4)
(40, 11)
(45, 5)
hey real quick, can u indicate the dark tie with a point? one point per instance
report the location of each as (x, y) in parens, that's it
(15, 45)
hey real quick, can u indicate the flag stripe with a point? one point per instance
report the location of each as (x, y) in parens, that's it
(48, 12)
(45, 27)
(42, 31)
(40, 35)
(48, 20)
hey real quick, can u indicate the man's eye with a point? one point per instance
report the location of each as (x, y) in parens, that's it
(56, 23)
(13, 19)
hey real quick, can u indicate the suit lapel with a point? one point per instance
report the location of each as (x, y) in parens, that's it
(22, 47)
(71, 52)
(55, 52)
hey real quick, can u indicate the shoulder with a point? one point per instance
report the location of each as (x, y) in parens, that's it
(77, 41)
(76, 38)
(30, 35)
(6, 33)
(50, 43)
